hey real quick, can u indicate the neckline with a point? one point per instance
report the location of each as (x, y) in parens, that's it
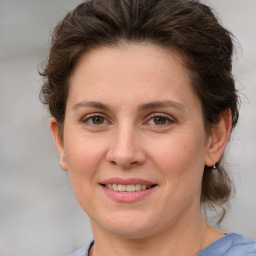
(201, 253)
(213, 245)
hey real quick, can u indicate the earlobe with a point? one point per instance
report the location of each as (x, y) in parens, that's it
(218, 138)
(58, 143)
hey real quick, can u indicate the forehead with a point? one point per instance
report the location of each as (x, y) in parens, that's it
(130, 71)
(130, 57)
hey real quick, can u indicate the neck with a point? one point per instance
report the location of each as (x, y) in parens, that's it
(175, 241)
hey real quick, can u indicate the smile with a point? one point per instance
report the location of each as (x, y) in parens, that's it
(127, 188)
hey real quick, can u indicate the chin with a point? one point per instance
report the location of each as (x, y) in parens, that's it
(131, 226)
(130, 231)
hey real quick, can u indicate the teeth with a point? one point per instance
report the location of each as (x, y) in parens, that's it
(121, 188)
(130, 188)
(115, 187)
(127, 188)
(110, 186)
(138, 187)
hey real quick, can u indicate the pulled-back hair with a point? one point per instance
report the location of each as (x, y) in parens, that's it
(187, 27)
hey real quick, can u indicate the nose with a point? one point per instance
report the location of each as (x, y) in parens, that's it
(126, 150)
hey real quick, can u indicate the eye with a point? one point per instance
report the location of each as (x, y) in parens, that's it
(95, 120)
(160, 120)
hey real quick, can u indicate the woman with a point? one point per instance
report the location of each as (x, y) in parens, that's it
(143, 102)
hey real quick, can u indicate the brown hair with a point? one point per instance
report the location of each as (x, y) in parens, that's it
(185, 26)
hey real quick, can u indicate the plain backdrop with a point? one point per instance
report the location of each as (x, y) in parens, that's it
(38, 212)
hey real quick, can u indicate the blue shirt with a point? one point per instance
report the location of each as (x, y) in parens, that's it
(229, 245)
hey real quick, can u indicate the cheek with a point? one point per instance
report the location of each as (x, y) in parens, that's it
(83, 156)
(180, 159)
(84, 159)
(178, 150)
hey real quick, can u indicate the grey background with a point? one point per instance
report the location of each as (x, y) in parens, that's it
(38, 212)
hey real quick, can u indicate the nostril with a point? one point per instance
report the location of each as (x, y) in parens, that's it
(113, 162)
(124, 165)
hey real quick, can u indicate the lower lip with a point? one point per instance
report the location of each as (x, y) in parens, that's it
(128, 196)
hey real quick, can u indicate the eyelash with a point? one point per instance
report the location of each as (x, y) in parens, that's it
(87, 119)
(166, 118)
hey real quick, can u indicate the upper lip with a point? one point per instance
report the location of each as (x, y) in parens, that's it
(129, 181)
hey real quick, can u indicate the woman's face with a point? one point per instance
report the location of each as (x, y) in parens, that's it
(132, 119)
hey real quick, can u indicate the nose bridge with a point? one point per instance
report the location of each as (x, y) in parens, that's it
(125, 150)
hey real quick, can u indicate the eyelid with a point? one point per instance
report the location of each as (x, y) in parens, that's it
(169, 118)
(87, 117)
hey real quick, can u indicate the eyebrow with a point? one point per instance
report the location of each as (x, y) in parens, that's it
(161, 104)
(94, 104)
(146, 106)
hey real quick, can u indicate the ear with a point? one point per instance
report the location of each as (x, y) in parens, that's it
(218, 138)
(58, 143)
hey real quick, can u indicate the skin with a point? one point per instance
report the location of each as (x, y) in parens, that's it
(164, 143)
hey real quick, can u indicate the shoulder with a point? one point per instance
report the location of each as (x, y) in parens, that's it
(84, 251)
(230, 245)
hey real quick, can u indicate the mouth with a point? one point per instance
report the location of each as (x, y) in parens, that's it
(127, 188)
